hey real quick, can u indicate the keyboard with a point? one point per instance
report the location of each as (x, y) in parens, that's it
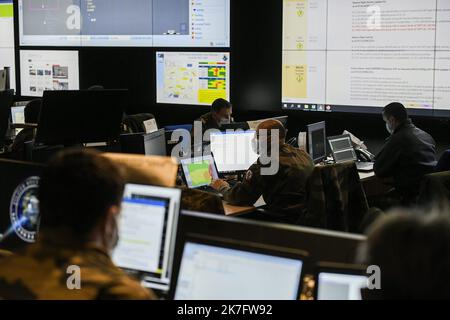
(364, 166)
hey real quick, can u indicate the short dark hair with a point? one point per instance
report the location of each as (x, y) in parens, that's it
(413, 253)
(77, 188)
(396, 110)
(220, 104)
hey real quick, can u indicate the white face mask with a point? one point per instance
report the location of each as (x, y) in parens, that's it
(225, 121)
(389, 128)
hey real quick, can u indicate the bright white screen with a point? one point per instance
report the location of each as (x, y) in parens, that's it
(48, 70)
(233, 151)
(192, 78)
(147, 231)
(145, 23)
(348, 55)
(7, 58)
(336, 286)
(214, 273)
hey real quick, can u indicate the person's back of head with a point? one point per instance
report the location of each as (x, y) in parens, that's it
(397, 111)
(270, 127)
(81, 192)
(413, 253)
(32, 111)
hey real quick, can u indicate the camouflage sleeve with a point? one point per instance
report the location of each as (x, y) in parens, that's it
(126, 289)
(247, 192)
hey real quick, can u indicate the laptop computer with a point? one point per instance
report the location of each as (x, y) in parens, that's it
(343, 151)
(200, 172)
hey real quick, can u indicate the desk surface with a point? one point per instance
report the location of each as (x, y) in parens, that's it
(231, 210)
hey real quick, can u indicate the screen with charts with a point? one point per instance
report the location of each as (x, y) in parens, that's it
(192, 78)
(47, 71)
(158, 23)
(147, 229)
(216, 273)
(338, 286)
(233, 151)
(199, 171)
(358, 56)
(7, 58)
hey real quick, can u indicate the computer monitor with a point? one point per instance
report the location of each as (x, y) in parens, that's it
(233, 151)
(342, 148)
(19, 213)
(317, 141)
(340, 282)
(199, 172)
(72, 117)
(235, 126)
(18, 115)
(221, 271)
(147, 233)
(47, 70)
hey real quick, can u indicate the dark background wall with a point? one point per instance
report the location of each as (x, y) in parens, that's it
(256, 45)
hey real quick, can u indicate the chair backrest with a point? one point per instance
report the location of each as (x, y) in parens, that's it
(335, 198)
(435, 190)
(444, 162)
(200, 201)
(135, 123)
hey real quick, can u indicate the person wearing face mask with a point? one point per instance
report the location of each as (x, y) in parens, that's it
(408, 154)
(221, 111)
(284, 190)
(80, 196)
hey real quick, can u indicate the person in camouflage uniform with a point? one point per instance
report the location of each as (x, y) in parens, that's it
(221, 110)
(284, 192)
(80, 195)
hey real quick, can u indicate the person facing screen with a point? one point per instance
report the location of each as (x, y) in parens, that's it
(284, 191)
(412, 251)
(80, 197)
(221, 112)
(408, 154)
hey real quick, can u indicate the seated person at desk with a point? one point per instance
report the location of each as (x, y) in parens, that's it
(80, 197)
(408, 154)
(285, 191)
(221, 111)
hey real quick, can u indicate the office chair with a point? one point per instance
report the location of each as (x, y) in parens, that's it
(335, 199)
(444, 162)
(135, 123)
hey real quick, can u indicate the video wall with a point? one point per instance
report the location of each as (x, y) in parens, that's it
(7, 53)
(358, 56)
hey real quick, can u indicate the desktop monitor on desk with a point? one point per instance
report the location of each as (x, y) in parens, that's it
(148, 228)
(149, 144)
(75, 117)
(224, 270)
(317, 141)
(233, 151)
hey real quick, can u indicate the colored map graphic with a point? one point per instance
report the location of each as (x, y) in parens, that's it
(200, 173)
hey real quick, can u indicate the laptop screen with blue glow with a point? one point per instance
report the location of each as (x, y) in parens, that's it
(216, 273)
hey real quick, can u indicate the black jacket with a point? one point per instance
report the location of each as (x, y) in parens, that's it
(407, 156)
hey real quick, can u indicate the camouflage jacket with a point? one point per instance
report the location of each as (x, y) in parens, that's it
(284, 192)
(42, 272)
